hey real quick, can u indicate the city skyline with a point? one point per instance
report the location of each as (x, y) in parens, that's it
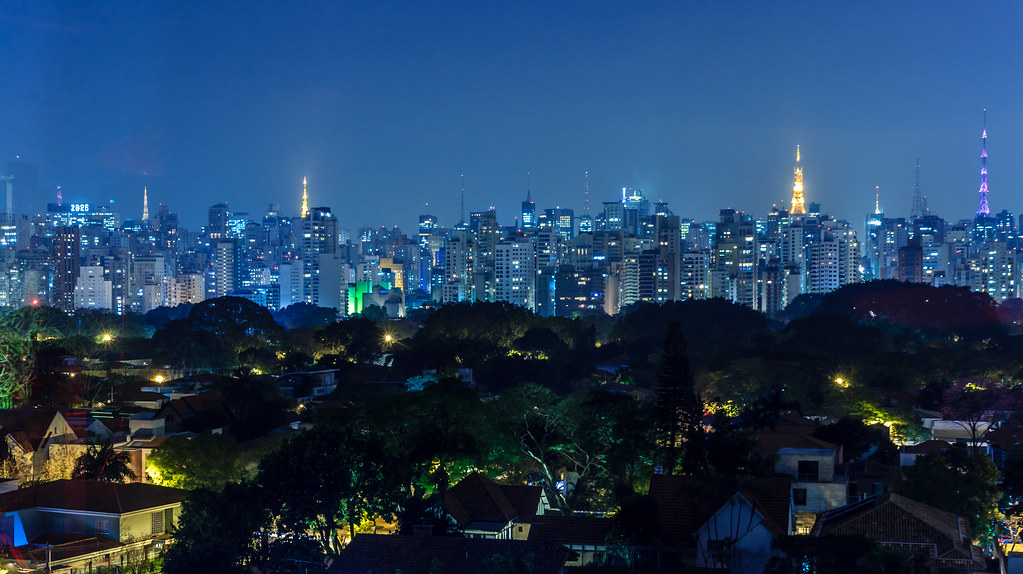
(385, 107)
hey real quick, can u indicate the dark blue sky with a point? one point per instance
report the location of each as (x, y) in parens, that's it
(383, 105)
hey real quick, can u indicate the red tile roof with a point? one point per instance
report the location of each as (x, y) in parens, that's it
(898, 521)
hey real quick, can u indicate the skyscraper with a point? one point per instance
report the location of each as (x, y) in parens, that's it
(67, 249)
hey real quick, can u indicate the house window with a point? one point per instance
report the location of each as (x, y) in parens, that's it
(102, 526)
(158, 522)
(809, 471)
(799, 496)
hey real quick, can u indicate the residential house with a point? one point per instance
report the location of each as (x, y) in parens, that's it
(585, 536)
(306, 385)
(722, 526)
(812, 464)
(86, 523)
(941, 538)
(908, 453)
(481, 508)
(388, 554)
(34, 436)
(178, 413)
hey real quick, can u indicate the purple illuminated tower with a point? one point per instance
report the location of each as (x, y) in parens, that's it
(983, 210)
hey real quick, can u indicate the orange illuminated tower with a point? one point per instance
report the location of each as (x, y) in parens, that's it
(798, 203)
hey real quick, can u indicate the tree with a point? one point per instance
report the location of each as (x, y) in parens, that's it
(254, 404)
(102, 462)
(303, 315)
(553, 434)
(357, 340)
(327, 477)
(678, 410)
(207, 461)
(957, 481)
(839, 554)
(221, 531)
(17, 368)
(978, 405)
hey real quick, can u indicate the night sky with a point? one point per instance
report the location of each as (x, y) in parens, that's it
(383, 105)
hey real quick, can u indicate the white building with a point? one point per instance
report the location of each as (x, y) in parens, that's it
(92, 291)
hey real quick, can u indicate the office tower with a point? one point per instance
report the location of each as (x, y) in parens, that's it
(427, 227)
(67, 248)
(217, 218)
(798, 202)
(528, 211)
(669, 258)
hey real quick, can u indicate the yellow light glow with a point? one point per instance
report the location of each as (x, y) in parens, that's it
(158, 379)
(106, 337)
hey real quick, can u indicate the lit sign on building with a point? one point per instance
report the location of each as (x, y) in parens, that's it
(79, 208)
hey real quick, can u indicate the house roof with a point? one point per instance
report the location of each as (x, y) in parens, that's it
(26, 426)
(895, 520)
(480, 501)
(91, 496)
(387, 554)
(932, 445)
(571, 530)
(188, 406)
(686, 504)
(62, 546)
(770, 442)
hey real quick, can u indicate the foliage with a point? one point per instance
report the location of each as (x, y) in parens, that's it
(678, 410)
(215, 333)
(356, 340)
(855, 437)
(207, 461)
(327, 477)
(17, 368)
(303, 315)
(956, 309)
(221, 531)
(254, 405)
(979, 405)
(959, 482)
(102, 462)
(837, 554)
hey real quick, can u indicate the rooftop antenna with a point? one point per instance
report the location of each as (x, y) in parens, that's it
(529, 198)
(983, 210)
(877, 200)
(461, 213)
(60, 198)
(586, 188)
